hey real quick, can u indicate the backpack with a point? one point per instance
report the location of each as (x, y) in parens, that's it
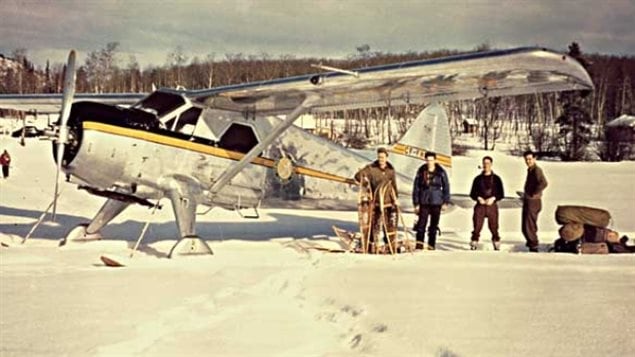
(562, 245)
(599, 235)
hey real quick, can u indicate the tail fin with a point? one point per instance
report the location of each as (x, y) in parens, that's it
(429, 132)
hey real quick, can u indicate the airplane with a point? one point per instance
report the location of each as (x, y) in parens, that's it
(235, 146)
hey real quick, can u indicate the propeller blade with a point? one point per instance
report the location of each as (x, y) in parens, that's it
(62, 136)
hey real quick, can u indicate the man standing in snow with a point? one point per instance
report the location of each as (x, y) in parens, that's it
(487, 189)
(5, 161)
(535, 183)
(380, 172)
(430, 195)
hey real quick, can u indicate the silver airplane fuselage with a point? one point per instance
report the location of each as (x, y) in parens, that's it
(115, 155)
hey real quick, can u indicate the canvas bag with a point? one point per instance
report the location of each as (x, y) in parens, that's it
(594, 248)
(581, 214)
(571, 231)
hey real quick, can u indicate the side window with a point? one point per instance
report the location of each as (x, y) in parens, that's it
(187, 121)
(169, 123)
(239, 138)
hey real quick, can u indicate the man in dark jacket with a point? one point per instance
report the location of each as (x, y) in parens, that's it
(379, 173)
(535, 183)
(487, 189)
(430, 194)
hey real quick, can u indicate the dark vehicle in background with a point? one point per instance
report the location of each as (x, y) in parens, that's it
(29, 132)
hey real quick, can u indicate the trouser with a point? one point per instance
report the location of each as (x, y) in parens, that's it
(480, 213)
(5, 171)
(384, 228)
(434, 211)
(531, 208)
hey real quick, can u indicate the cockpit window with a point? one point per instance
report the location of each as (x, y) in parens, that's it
(160, 103)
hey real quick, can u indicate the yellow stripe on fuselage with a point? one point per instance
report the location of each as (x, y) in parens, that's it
(419, 153)
(202, 148)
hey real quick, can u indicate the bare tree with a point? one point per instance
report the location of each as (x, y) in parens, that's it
(19, 54)
(626, 96)
(491, 125)
(100, 66)
(209, 64)
(176, 61)
(134, 75)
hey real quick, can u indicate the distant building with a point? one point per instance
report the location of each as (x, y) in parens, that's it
(620, 138)
(306, 122)
(470, 126)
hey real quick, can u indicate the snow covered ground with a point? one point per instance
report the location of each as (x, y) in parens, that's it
(260, 295)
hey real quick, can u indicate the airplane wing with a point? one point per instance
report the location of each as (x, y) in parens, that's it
(487, 74)
(517, 71)
(51, 103)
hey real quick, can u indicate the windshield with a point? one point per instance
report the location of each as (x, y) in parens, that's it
(160, 103)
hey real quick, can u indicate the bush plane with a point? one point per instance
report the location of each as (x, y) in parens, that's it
(235, 146)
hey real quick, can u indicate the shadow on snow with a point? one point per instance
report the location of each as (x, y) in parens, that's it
(284, 225)
(295, 226)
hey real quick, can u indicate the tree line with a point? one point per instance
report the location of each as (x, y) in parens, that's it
(565, 123)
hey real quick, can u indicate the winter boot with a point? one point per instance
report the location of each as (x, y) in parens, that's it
(421, 239)
(432, 239)
(473, 245)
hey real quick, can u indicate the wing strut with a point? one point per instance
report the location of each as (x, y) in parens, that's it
(335, 69)
(233, 170)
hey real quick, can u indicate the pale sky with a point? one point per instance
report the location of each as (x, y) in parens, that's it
(151, 29)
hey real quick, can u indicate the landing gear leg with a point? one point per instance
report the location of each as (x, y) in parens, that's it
(83, 232)
(184, 205)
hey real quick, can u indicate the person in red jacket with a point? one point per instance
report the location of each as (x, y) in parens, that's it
(5, 161)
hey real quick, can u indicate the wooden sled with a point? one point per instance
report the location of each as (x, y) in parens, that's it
(352, 240)
(366, 240)
(387, 224)
(365, 208)
(366, 211)
(304, 246)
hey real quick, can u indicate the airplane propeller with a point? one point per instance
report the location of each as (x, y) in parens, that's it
(62, 136)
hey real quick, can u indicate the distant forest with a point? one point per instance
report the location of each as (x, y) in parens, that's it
(577, 120)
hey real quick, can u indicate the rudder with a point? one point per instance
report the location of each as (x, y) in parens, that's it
(429, 132)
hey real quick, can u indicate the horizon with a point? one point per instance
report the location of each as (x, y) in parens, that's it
(308, 29)
(120, 61)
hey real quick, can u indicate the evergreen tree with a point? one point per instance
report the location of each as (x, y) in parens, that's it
(575, 120)
(575, 131)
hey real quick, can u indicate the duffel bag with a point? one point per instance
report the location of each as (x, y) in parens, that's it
(581, 214)
(571, 231)
(594, 248)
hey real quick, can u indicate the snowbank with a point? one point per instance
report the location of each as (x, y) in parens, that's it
(258, 296)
